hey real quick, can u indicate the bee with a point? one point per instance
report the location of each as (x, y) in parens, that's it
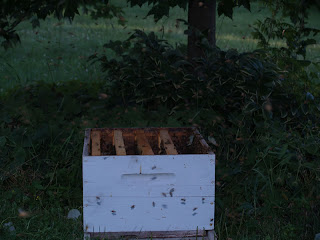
(171, 191)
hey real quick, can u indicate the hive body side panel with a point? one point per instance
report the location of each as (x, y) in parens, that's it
(119, 214)
(178, 175)
(121, 194)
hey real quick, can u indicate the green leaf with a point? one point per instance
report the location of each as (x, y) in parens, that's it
(35, 23)
(3, 141)
(226, 8)
(284, 113)
(159, 10)
(309, 96)
(213, 141)
(245, 3)
(19, 155)
(304, 63)
(305, 109)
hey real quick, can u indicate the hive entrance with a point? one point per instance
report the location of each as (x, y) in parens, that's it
(148, 141)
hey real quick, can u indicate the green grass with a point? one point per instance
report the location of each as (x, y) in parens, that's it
(263, 189)
(58, 51)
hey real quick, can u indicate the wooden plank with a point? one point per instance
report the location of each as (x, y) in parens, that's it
(212, 235)
(143, 145)
(95, 143)
(202, 141)
(151, 234)
(150, 191)
(167, 143)
(136, 175)
(119, 143)
(86, 145)
(123, 214)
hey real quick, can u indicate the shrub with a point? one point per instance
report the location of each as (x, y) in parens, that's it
(265, 135)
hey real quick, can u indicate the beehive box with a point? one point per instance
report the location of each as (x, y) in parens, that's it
(156, 182)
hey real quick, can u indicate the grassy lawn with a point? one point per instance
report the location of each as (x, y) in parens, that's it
(262, 191)
(58, 51)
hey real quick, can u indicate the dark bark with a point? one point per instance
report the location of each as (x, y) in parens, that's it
(201, 16)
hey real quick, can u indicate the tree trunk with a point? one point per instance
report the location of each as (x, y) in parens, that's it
(201, 16)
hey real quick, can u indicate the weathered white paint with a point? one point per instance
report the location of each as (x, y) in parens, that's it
(148, 193)
(187, 175)
(158, 235)
(108, 214)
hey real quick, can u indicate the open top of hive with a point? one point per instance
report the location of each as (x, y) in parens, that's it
(145, 141)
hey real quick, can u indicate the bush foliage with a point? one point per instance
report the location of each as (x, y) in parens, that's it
(264, 129)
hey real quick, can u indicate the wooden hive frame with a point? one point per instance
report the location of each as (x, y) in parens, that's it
(164, 140)
(140, 136)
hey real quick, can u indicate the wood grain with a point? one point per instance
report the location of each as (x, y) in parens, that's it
(149, 234)
(143, 145)
(167, 143)
(95, 143)
(119, 143)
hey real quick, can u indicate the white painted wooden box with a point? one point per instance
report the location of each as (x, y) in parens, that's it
(151, 181)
